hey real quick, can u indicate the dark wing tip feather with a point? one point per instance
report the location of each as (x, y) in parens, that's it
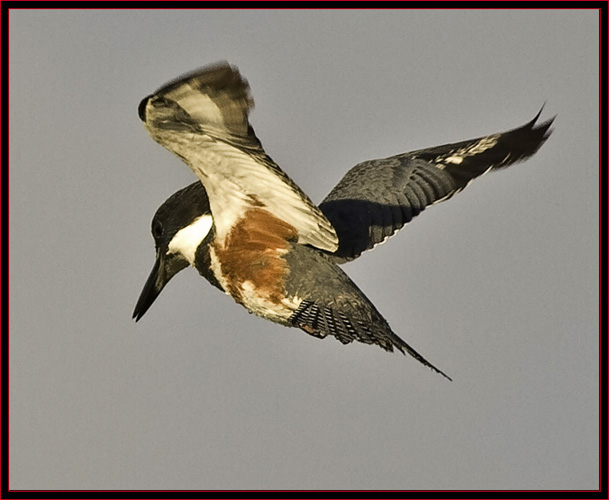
(544, 125)
(471, 158)
(534, 120)
(522, 142)
(141, 109)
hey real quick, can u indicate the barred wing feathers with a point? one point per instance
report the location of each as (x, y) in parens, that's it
(202, 117)
(377, 197)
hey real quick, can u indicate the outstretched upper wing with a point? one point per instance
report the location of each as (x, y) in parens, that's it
(202, 117)
(377, 197)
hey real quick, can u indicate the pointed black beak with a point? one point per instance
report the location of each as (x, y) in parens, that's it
(164, 269)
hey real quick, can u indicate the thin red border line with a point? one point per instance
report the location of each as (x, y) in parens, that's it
(330, 491)
(1, 258)
(302, 6)
(599, 9)
(600, 156)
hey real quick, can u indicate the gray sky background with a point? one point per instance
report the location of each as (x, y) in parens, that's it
(498, 287)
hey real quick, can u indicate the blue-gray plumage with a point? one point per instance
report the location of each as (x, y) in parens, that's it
(250, 230)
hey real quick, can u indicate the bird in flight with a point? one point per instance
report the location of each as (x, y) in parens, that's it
(254, 234)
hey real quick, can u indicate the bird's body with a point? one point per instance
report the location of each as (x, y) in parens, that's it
(249, 229)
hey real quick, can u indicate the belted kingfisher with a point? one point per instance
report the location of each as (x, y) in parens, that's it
(250, 230)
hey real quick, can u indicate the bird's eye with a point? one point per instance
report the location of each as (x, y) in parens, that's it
(157, 230)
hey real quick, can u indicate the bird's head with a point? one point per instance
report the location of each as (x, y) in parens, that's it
(180, 225)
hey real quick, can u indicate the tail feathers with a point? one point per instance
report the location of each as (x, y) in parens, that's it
(404, 348)
(321, 321)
